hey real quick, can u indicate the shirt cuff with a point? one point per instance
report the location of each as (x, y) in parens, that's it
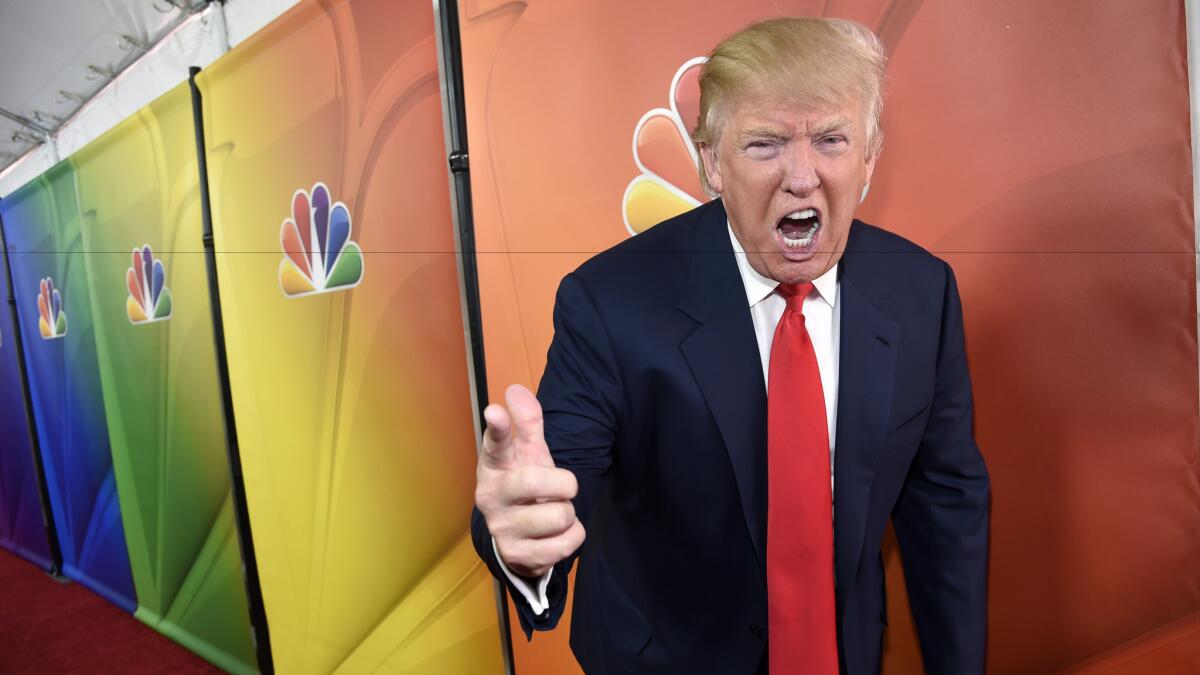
(536, 598)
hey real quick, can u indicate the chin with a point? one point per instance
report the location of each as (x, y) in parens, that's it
(797, 272)
(790, 274)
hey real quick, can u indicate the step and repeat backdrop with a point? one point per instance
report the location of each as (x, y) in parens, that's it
(50, 291)
(343, 320)
(337, 273)
(108, 271)
(1052, 170)
(146, 287)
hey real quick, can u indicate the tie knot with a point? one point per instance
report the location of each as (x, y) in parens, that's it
(794, 295)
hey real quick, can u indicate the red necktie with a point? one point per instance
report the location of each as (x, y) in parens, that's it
(802, 628)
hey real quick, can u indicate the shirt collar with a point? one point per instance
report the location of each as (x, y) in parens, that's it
(759, 287)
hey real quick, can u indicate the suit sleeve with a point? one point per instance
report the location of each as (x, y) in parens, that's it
(941, 517)
(581, 401)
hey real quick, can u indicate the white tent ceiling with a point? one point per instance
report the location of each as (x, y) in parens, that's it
(71, 69)
(57, 54)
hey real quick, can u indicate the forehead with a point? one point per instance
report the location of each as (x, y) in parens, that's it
(786, 115)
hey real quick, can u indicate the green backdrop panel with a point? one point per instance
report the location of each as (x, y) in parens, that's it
(139, 201)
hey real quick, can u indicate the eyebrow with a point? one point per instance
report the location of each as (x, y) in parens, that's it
(763, 132)
(834, 124)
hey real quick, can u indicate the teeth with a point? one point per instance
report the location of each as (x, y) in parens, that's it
(801, 215)
(801, 242)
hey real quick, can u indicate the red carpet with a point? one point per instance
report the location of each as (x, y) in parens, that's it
(52, 627)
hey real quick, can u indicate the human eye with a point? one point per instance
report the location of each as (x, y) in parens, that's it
(831, 142)
(761, 148)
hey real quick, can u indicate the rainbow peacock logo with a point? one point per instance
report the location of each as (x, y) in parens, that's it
(52, 320)
(669, 179)
(149, 299)
(319, 256)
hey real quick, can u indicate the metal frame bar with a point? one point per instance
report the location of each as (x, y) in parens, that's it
(26, 122)
(258, 614)
(450, 77)
(1192, 24)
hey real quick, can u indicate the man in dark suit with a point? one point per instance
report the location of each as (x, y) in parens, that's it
(736, 401)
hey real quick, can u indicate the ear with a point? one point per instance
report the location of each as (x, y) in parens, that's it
(870, 165)
(712, 172)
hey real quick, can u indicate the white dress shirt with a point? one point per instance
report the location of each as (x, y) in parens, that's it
(822, 319)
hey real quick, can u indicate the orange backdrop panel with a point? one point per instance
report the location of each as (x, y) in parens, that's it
(1042, 149)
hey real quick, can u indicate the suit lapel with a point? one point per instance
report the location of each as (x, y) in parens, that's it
(722, 354)
(869, 340)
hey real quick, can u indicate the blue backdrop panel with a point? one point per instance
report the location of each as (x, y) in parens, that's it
(22, 529)
(41, 223)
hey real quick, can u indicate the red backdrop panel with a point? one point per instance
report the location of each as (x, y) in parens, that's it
(1043, 150)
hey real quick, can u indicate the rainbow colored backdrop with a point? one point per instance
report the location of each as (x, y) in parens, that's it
(349, 377)
(347, 360)
(351, 397)
(128, 409)
(46, 248)
(138, 188)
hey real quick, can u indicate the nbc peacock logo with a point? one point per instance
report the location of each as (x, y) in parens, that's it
(669, 183)
(52, 320)
(319, 256)
(149, 299)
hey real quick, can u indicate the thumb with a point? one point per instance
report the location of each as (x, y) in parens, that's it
(498, 452)
(527, 422)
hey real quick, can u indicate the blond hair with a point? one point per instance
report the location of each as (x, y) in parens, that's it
(807, 60)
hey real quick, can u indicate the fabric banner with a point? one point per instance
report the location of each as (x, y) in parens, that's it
(22, 529)
(1050, 169)
(50, 287)
(138, 191)
(344, 330)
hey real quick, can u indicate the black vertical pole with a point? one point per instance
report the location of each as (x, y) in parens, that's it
(258, 614)
(461, 176)
(38, 467)
(450, 40)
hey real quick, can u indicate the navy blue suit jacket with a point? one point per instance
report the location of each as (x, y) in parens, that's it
(654, 397)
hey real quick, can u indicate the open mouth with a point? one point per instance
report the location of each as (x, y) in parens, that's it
(798, 230)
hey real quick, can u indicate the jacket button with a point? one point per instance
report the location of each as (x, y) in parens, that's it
(756, 630)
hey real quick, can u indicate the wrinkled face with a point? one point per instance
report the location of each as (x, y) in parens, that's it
(791, 178)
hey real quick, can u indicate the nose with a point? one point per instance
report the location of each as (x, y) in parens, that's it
(800, 175)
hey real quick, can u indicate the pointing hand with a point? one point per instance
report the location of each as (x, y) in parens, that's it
(525, 500)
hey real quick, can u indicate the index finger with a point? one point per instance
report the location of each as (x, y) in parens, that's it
(497, 451)
(526, 414)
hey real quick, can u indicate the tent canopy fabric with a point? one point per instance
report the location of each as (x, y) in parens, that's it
(84, 66)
